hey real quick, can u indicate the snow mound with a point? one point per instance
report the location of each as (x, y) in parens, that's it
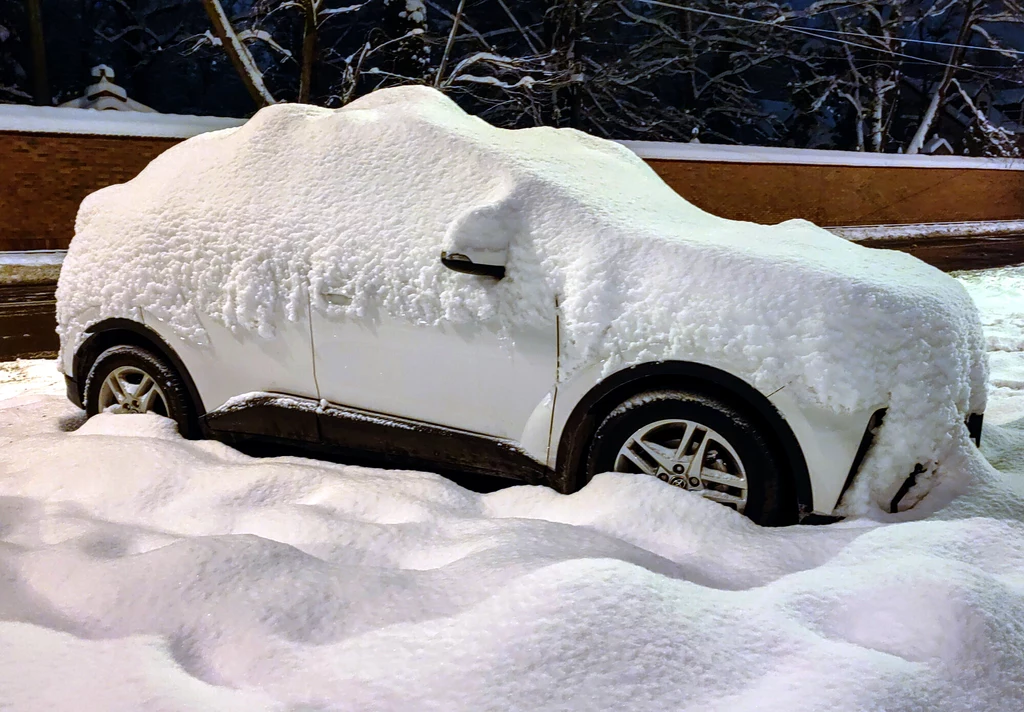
(29, 376)
(999, 294)
(198, 578)
(244, 225)
(146, 425)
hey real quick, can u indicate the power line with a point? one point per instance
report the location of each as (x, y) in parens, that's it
(1016, 52)
(809, 33)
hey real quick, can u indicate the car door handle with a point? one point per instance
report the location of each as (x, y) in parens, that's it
(341, 300)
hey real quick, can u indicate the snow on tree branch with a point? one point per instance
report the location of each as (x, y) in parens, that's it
(239, 54)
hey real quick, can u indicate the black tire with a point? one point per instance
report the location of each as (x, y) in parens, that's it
(179, 406)
(771, 500)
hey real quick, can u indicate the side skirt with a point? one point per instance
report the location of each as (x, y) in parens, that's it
(384, 440)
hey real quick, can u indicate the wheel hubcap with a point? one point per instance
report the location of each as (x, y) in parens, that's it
(688, 455)
(131, 390)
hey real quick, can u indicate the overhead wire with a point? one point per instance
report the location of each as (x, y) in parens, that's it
(911, 40)
(813, 33)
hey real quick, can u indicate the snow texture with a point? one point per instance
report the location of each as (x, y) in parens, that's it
(667, 150)
(415, 11)
(243, 225)
(999, 294)
(32, 258)
(29, 376)
(65, 120)
(30, 267)
(924, 231)
(195, 577)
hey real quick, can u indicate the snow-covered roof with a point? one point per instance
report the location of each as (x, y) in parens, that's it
(807, 156)
(67, 120)
(105, 95)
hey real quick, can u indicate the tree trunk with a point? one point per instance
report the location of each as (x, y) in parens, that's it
(567, 100)
(881, 88)
(308, 50)
(448, 45)
(939, 94)
(40, 80)
(239, 54)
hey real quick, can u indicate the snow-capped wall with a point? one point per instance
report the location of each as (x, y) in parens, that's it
(242, 224)
(68, 120)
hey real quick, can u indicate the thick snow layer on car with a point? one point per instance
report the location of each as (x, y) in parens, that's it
(243, 224)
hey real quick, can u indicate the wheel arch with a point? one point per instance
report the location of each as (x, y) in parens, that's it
(119, 331)
(602, 398)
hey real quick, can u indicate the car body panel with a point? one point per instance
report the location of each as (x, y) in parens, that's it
(89, 316)
(230, 364)
(830, 442)
(495, 388)
(475, 378)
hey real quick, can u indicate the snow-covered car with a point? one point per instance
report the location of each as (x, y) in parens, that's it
(401, 279)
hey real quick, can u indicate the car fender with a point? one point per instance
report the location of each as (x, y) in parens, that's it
(142, 335)
(830, 443)
(229, 364)
(819, 468)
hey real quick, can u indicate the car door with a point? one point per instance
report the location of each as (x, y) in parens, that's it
(483, 378)
(489, 372)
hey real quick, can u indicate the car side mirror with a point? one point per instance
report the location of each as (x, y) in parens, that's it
(477, 241)
(463, 263)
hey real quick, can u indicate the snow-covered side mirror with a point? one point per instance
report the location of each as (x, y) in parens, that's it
(477, 241)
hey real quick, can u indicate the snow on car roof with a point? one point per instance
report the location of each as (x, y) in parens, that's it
(244, 224)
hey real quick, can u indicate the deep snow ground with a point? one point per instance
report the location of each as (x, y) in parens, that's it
(140, 571)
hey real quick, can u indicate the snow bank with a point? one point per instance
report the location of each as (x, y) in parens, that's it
(30, 266)
(999, 294)
(158, 572)
(931, 231)
(29, 376)
(242, 224)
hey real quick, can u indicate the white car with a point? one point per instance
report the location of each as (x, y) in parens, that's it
(397, 278)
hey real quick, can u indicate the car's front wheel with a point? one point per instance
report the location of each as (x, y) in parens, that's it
(699, 443)
(132, 379)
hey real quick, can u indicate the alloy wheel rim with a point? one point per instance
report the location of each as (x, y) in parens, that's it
(687, 454)
(129, 389)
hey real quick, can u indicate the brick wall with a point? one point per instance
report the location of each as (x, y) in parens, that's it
(846, 195)
(43, 178)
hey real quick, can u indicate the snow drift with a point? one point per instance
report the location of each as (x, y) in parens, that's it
(158, 573)
(249, 225)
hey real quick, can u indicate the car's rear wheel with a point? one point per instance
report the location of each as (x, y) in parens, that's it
(132, 379)
(699, 443)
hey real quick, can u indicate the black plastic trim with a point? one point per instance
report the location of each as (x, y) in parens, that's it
(461, 263)
(382, 439)
(974, 426)
(414, 443)
(862, 450)
(266, 417)
(908, 484)
(606, 395)
(73, 393)
(103, 336)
